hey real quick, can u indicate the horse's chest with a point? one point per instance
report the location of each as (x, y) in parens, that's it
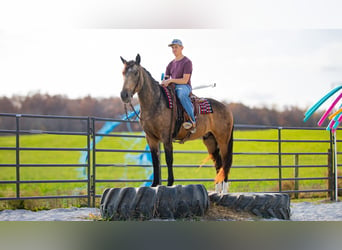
(153, 129)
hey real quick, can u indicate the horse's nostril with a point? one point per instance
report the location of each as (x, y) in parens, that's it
(125, 96)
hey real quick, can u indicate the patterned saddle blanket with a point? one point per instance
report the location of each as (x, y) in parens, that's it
(201, 105)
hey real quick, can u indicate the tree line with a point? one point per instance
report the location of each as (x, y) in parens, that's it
(44, 104)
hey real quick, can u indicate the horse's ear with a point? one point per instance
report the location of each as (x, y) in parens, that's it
(137, 59)
(123, 60)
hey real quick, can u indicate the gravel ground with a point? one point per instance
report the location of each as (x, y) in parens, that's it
(307, 211)
(59, 214)
(303, 211)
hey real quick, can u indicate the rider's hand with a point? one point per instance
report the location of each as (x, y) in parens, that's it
(165, 83)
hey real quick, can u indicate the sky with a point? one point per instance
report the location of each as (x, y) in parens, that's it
(261, 53)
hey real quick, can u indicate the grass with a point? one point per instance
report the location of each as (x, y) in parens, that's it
(244, 166)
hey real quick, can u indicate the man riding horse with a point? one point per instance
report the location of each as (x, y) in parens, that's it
(178, 72)
(157, 120)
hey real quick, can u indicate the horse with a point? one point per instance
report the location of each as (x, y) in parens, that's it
(157, 120)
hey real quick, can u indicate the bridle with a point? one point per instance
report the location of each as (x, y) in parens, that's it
(135, 112)
(137, 88)
(134, 91)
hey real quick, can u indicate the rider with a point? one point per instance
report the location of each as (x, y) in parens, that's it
(178, 71)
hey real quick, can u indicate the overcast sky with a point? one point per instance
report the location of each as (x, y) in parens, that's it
(273, 53)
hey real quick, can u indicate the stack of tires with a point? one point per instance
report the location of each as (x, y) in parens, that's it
(146, 203)
(266, 205)
(189, 201)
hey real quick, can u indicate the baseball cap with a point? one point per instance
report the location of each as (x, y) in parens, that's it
(176, 41)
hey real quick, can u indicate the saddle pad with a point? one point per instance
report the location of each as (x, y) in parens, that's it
(168, 97)
(204, 106)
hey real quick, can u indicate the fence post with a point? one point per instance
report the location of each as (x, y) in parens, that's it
(330, 175)
(296, 175)
(279, 158)
(160, 167)
(89, 133)
(335, 167)
(17, 155)
(93, 176)
(333, 176)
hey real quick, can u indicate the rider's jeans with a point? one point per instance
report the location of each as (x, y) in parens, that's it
(183, 92)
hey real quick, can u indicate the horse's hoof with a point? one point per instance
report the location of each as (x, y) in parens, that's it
(218, 187)
(225, 186)
(222, 187)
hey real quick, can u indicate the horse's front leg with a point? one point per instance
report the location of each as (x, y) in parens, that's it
(154, 147)
(168, 147)
(156, 167)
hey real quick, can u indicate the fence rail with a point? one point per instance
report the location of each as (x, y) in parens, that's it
(93, 163)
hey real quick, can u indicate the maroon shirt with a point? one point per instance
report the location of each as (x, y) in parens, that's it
(176, 69)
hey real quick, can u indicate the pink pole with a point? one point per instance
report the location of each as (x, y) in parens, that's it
(331, 125)
(329, 110)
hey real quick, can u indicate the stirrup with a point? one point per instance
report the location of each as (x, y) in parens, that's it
(187, 125)
(193, 130)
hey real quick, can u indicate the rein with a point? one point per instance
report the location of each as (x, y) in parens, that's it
(135, 112)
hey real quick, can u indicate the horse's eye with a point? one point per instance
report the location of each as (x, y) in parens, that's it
(136, 72)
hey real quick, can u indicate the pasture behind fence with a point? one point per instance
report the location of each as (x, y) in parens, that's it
(273, 156)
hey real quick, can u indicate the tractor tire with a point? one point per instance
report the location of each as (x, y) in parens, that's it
(266, 205)
(146, 203)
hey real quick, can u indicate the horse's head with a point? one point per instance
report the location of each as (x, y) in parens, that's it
(132, 79)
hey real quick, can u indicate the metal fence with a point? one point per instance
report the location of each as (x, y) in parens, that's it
(280, 159)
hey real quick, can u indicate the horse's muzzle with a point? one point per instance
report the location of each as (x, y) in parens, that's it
(126, 96)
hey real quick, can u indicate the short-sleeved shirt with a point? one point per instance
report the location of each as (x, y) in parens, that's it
(176, 69)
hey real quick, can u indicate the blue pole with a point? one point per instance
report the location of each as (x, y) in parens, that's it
(320, 102)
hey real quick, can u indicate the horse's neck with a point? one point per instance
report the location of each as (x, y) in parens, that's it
(149, 95)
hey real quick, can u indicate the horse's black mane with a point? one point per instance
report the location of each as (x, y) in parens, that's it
(130, 64)
(149, 74)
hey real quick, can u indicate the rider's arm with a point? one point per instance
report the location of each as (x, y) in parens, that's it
(184, 80)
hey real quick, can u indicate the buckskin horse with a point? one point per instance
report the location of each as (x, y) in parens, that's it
(158, 122)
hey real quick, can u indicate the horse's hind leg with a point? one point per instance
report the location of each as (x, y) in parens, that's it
(211, 144)
(226, 150)
(214, 151)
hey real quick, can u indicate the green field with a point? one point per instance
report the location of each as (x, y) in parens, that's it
(248, 162)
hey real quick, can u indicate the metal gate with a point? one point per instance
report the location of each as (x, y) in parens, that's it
(87, 128)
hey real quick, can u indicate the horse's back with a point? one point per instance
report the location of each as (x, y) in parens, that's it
(221, 109)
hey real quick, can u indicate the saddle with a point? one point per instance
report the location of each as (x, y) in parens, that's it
(201, 106)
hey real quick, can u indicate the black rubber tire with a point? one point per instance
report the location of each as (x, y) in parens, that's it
(146, 203)
(266, 205)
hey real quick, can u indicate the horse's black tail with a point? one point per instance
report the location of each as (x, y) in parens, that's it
(230, 150)
(222, 175)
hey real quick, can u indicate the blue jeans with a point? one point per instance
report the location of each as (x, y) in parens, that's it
(183, 92)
